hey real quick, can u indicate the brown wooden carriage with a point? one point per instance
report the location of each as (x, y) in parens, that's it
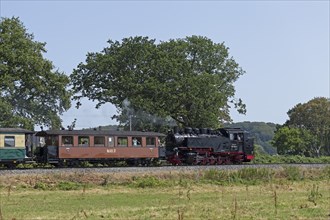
(74, 146)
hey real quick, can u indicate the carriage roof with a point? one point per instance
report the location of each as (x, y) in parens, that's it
(15, 130)
(88, 132)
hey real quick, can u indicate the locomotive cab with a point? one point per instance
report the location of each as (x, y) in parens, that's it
(240, 140)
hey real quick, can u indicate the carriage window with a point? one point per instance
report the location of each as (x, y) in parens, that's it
(99, 141)
(51, 140)
(83, 141)
(9, 141)
(48, 140)
(136, 141)
(111, 141)
(122, 141)
(67, 140)
(151, 141)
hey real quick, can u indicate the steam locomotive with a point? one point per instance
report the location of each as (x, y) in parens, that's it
(135, 148)
(208, 147)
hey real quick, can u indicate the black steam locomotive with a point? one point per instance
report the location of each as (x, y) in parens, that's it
(208, 147)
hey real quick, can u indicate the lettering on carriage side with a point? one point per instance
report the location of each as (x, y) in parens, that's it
(111, 151)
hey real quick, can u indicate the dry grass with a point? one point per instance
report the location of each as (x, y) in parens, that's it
(284, 173)
(286, 194)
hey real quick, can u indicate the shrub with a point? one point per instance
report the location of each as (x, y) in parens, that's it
(293, 173)
(314, 194)
(326, 172)
(217, 176)
(69, 185)
(147, 182)
(245, 175)
(41, 185)
(254, 175)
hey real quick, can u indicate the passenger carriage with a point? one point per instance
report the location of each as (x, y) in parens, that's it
(72, 147)
(15, 146)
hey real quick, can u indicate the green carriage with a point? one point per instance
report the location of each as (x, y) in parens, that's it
(14, 146)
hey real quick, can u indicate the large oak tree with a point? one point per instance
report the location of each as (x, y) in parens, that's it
(31, 91)
(310, 122)
(190, 80)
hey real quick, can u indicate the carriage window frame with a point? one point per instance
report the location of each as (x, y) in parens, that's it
(67, 137)
(151, 141)
(97, 139)
(122, 141)
(11, 142)
(51, 140)
(111, 141)
(83, 141)
(136, 141)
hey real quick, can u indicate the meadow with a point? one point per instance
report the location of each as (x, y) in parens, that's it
(250, 193)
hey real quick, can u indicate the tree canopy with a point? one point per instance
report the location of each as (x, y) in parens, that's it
(309, 126)
(190, 80)
(292, 141)
(31, 91)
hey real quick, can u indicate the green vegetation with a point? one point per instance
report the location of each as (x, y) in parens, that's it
(262, 157)
(190, 80)
(32, 91)
(287, 159)
(286, 193)
(307, 132)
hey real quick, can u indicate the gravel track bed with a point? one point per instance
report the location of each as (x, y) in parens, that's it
(149, 169)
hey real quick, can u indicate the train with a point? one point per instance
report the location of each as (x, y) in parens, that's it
(72, 148)
(209, 147)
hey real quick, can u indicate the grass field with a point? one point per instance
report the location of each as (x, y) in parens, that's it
(168, 196)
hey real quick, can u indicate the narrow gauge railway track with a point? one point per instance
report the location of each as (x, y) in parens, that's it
(148, 169)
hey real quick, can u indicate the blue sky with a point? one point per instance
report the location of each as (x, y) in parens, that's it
(282, 45)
